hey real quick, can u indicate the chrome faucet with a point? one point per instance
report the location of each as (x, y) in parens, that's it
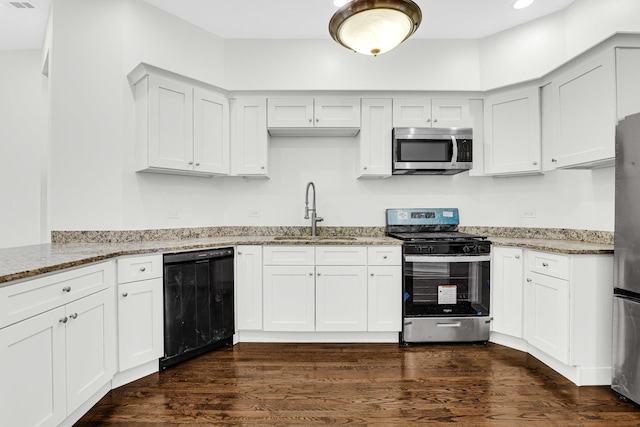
(314, 218)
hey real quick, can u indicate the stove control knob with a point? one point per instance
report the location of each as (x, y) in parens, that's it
(466, 249)
(476, 248)
(429, 249)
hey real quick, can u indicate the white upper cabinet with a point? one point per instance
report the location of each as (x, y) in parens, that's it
(628, 84)
(249, 138)
(182, 126)
(586, 112)
(424, 112)
(512, 132)
(374, 155)
(330, 116)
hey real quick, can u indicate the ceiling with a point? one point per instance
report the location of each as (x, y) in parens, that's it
(24, 28)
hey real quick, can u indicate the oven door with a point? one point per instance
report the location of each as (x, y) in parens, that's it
(446, 285)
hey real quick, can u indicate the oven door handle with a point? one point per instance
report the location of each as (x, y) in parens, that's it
(436, 258)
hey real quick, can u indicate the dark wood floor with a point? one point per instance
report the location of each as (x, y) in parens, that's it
(361, 384)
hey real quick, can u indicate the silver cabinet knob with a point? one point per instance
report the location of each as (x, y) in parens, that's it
(310, 120)
(384, 257)
(428, 120)
(63, 319)
(318, 274)
(262, 167)
(190, 163)
(435, 120)
(528, 279)
(239, 253)
(371, 274)
(74, 315)
(544, 264)
(66, 289)
(143, 269)
(517, 257)
(310, 274)
(554, 160)
(197, 164)
(317, 120)
(125, 294)
(535, 163)
(365, 168)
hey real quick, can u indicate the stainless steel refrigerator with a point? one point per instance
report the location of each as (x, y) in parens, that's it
(626, 299)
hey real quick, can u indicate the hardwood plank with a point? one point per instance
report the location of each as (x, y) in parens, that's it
(361, 384)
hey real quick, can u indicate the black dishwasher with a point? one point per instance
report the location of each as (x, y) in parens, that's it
(198, 303)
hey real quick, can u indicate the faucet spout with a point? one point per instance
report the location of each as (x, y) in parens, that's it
(314, 218)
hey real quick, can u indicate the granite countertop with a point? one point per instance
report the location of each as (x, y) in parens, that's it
(27, 261)
(570, 247)
(76, 248)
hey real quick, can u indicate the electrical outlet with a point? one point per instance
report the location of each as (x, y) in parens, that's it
(253, 214)
(529, 213)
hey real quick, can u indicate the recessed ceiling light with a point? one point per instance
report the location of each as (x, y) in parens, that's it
(521, 4)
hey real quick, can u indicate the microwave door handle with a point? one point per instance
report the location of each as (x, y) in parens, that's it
(454, 157)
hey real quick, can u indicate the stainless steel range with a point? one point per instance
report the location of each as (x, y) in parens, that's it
(446, 277)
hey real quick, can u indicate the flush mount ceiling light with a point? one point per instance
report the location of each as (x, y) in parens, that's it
(521, 4)
(373, 27)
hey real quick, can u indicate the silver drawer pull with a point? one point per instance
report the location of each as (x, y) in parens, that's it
(125, 294)
(528, 279)
(371, 274)
(517, 256)
(66, 289)
(449, 325)
(544, 264)
(143, 269)
(74, 315)
(63, 319)
(384, 257)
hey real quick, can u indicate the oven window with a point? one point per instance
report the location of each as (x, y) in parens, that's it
(446, 288)
(423, 150)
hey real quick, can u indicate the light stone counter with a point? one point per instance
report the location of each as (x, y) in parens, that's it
(27, 261)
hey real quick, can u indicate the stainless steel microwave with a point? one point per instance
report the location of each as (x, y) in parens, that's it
(432, 151)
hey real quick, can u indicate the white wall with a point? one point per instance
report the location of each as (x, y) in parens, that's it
(94, 186)
(23, 144)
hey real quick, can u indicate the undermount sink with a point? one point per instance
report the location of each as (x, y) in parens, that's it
(309, 238)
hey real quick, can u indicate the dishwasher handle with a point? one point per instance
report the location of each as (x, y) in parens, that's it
(197, 255)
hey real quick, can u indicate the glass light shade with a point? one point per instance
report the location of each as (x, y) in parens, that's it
(372, 27)
(521, 4)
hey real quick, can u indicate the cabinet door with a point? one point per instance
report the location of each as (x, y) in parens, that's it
(249, 148)
(249, 287)
(140, 323)
(384, 298)
(210, 132)
(628, 87)
(32, 368)
(375, 139)
(290, 112)
(90, 347)
(512, 129)
(409, 112)
(170, 144)
(547, 315)
(507, 291)
(337, 112)
(341, 298)
(289, 298)
(450, 113)
(587, 113)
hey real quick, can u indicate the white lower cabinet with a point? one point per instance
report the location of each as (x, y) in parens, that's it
(54, 362)
(547, 315)
(563, 317)
(140, 311)
(341, 298)
(330, 289)
(507, 289)
(384, 297)
(289, 298)
(249, 287)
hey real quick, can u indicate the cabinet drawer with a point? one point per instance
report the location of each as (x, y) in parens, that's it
(27, 299)
(549, 264)
(288, 255)
(133, 269)
(385, 255)
(341, 255)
